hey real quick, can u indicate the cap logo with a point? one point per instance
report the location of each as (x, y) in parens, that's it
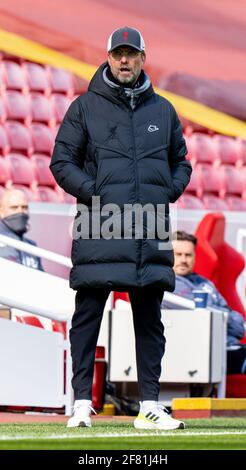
(126, 36)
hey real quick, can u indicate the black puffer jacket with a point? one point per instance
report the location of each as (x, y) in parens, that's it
(125, 156)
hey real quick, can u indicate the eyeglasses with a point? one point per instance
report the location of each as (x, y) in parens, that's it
(117, 54)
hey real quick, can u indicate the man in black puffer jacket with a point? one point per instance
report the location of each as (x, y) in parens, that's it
(122, 145)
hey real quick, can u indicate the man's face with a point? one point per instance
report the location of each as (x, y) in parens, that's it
(184, 257)
(126, 64)
(12, 203)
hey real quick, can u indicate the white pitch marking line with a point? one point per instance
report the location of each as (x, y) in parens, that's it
(105, 435)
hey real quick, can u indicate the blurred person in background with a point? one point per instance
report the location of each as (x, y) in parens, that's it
(187, 281)
(14, 223)
(123, 142)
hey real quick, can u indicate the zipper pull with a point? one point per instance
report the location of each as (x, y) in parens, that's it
(132, 99)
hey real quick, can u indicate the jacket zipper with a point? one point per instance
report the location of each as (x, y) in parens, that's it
(138, 242)
(132, 100)
(135, 159)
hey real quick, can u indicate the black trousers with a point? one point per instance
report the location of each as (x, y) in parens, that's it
(150, 340)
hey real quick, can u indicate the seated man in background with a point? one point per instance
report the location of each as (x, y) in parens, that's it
(14, 216)
(187, 281)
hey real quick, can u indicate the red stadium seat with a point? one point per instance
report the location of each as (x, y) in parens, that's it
(19, 136)
(227, 150)
(236, 386)
(214, 203)
(60, 105)
(4, 141)
(18, 319)
(21, 169)
(2, 189)
(201, 148)
(43, 138)
(233, 180)
(99, 378)
(220, 263)
(243, 170)
(187, 201)
(3, 116)
(13, 76)
(210, 179)
(214, 258)
(194, 186)
(68, 198)
(37, 78)
(4, 55)
(80, 86)
(17, 106)
(45, 194)
(242, 147)
(59, 327)
(44, 176)
(31, 320)
(31, 194)
(61, 81)
(235, 203)
(41, 108)
(55, 130)
(120, 296)
(5, 175)
(2, 86)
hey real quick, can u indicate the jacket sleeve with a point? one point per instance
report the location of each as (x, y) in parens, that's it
(36, 258)
(235, 324)
(235, 321)
(183, 288)
(180, 167)
(67, 162)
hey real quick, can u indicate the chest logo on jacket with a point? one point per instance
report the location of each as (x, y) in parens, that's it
(153, 128)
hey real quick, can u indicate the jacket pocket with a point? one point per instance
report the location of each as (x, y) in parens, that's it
(87, 190)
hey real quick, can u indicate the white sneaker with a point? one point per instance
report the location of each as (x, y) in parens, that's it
(157, 417)
(81, 415)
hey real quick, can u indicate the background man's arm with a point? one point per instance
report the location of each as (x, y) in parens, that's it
(235, 323)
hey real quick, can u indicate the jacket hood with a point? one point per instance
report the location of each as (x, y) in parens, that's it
(116, 93)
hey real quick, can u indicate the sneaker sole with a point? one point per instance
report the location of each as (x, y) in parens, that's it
(143, 425)
(80, 424)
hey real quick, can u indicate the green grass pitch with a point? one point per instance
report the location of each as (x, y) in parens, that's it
(215, 433)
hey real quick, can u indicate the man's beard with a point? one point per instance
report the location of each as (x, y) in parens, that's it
(127, 80)
(130, 80)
